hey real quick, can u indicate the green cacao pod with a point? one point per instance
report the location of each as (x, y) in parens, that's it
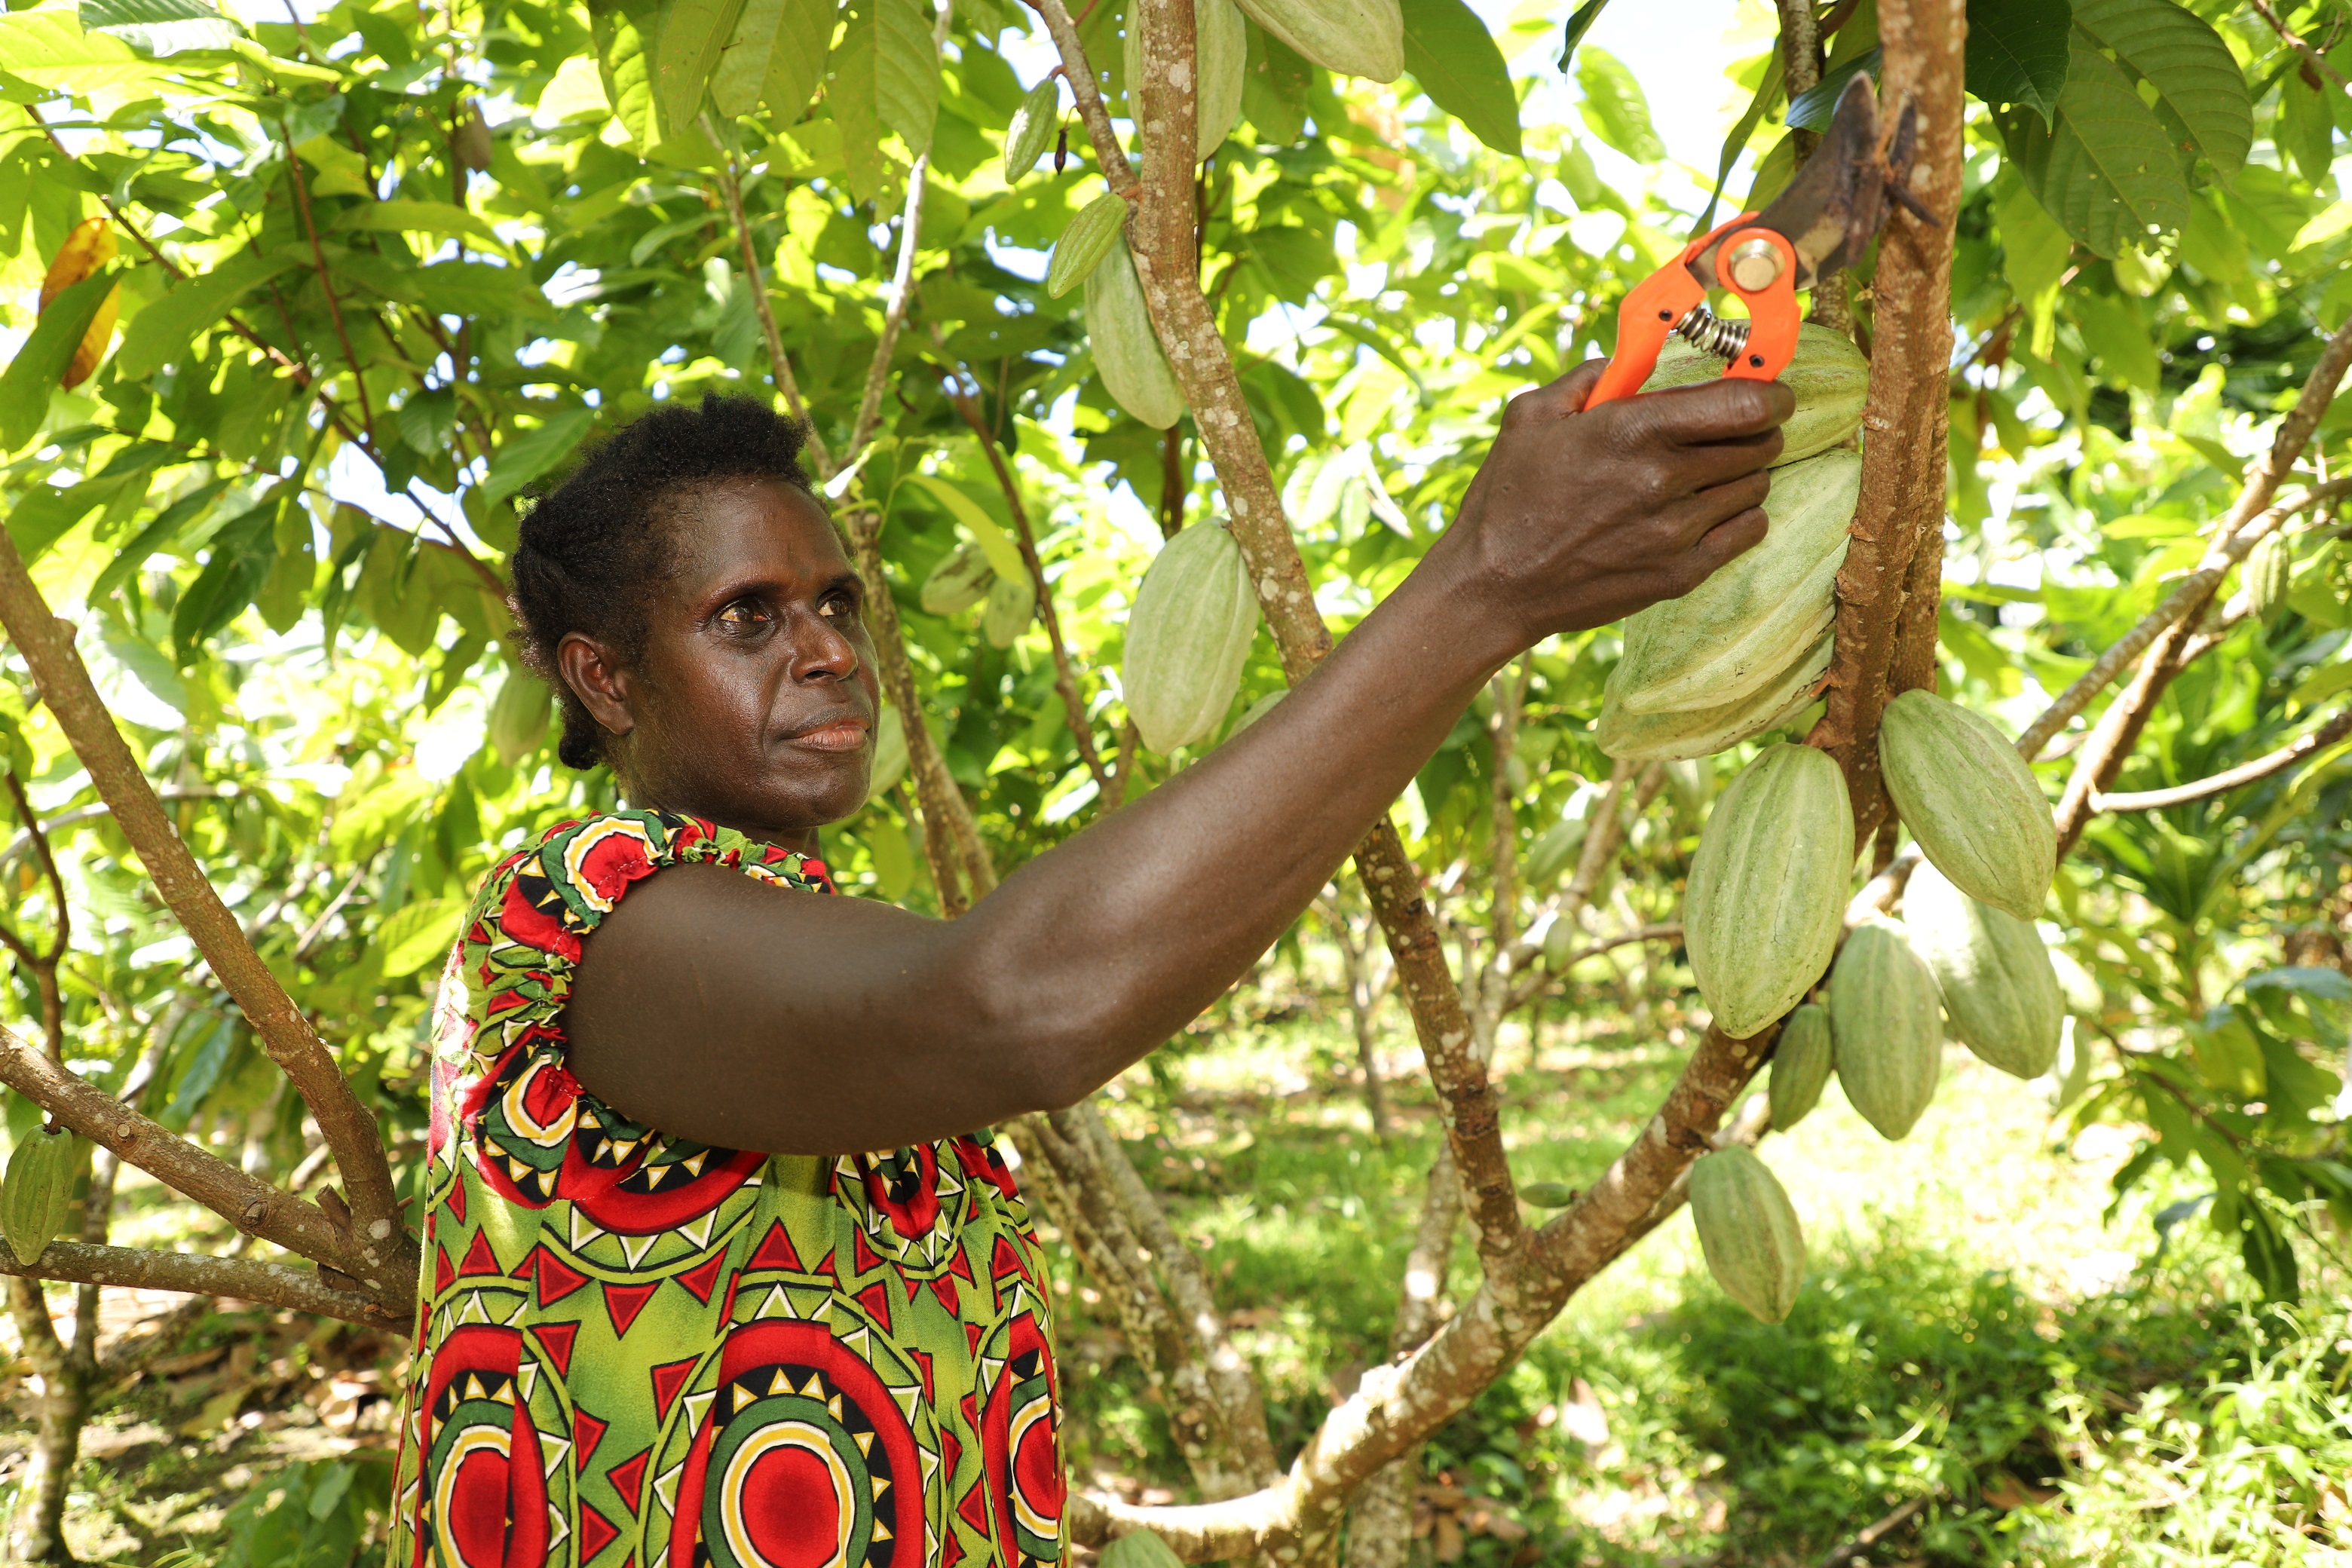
(1702, 732)
(1010, 603)
(1085, 241)
(1730, 637)
(2269, 574)
(1548, 1194)
(889, 753)
(1748, 1230)
(1194, 618)
(1768, 886)
(2001, 990)
(1969, 800)
(1127, 350)
(1884, 1027)
(1554, 852)
(37, 1191)
(1221, 49)
(960, 581)
(1801, 1066)
(1031, 129)
(517, 719)
(1355, 38)
(1830, 376)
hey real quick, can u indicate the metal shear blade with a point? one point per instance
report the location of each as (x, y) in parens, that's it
(1838, 200)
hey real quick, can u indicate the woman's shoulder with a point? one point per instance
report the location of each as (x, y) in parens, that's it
(553, 893)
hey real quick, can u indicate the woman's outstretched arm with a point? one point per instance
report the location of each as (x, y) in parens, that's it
(719, 1009)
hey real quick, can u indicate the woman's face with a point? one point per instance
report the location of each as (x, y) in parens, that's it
(755, 700)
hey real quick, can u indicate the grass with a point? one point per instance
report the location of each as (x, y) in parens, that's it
(1979, 1353)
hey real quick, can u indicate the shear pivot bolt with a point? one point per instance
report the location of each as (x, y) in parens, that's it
(1754, 264)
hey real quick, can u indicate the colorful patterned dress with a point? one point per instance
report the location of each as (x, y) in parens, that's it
(637, 1351)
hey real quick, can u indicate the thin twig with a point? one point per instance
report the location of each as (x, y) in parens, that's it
(894, 313)
(2223, 783)
(730, 188)
(2310, 56)
(327, 285)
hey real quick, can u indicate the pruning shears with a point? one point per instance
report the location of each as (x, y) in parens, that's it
(1822, 222)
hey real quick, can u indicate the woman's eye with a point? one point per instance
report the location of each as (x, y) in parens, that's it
(742, 615)
(838, 608)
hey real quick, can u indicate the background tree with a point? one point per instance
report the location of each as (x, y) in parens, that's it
(319, 299)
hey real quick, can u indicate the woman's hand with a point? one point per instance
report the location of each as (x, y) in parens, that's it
(1581, 517)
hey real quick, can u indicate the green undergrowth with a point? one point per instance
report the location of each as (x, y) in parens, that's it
(1986, 1362)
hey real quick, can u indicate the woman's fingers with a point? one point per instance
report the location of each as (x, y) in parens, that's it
(1701, 416)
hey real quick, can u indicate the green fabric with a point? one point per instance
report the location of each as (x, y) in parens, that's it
(636, 1350)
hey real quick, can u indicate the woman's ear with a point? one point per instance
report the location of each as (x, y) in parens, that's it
(597, 680)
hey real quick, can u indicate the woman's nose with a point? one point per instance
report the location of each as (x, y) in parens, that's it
(823, 651)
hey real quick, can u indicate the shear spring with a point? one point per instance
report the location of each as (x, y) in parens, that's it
(1711, 334)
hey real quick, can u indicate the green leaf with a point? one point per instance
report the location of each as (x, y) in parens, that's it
(1003, 555)
(1767, 94)
(168, 326)
(242, 553)
(416, 934)
(46, 350)
(1810, 110)
(156, 538)
(2033, 247)
(626, 37)
(2305, 129)
(907, 73)
(1141, 1549)
(2017, 52)
(1615, 107)
(1580, 21)
(447, 218)
(48, 513)
(49, 49)
(2201, 94)
(743, 64)
(694, 34)
(2104, 166)
(857, 109)
(525, 456)
(1274, 88)
(1450, 53)
(2121, 349)
(160, 26)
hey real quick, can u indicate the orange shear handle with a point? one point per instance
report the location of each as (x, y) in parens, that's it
(1663, 298)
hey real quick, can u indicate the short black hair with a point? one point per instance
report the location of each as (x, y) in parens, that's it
(592, 546)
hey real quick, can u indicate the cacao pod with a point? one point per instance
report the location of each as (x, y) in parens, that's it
(1554, 852)
(1748, 1230)
(1548, 1194)
(1355, 38)
(1969, 800)
(2269, 574)
(1801, 1066)
(518, 718)
(1011, 604)
(1884, 1027)
(1830, 376)
(1031, 129)
(1691, 782)
(37, 1191)
(1127, 350)
(960, 581)
(1729, 637)
(1195, 616)
(1220, 52)
(1085, 241)
(1702, 732)
(2000, 992)
(889, 753)
(1768, 886)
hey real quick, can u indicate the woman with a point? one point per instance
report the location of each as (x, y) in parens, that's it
(675, 1310)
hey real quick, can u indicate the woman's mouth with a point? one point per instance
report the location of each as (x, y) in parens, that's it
(839, 735)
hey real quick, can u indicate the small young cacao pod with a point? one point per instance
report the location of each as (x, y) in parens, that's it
(1127, 355)
(960, 581)
(1354, 37)
(37, 1191)
(1221, 53)
(1703, 732)
(1801, 1066)
(2001, 990)
(1969, 800)
(1188, 636)
(1728, 637)
(1884, 1027)
(517, 719)
(1830, 376)
(1554, 852)
(1085, 241)
(889, 753)
(2269, 574)
(1768, 886)
(1748, 1230)
(1548, 1194)
(1031, 129)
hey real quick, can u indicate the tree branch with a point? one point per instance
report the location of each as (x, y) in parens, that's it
(327, 285)
(2312, 58)
(244, 1278)
(730, 188)
(47, 645)
(894, 314)
(1903, 456)
(2223, 783)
